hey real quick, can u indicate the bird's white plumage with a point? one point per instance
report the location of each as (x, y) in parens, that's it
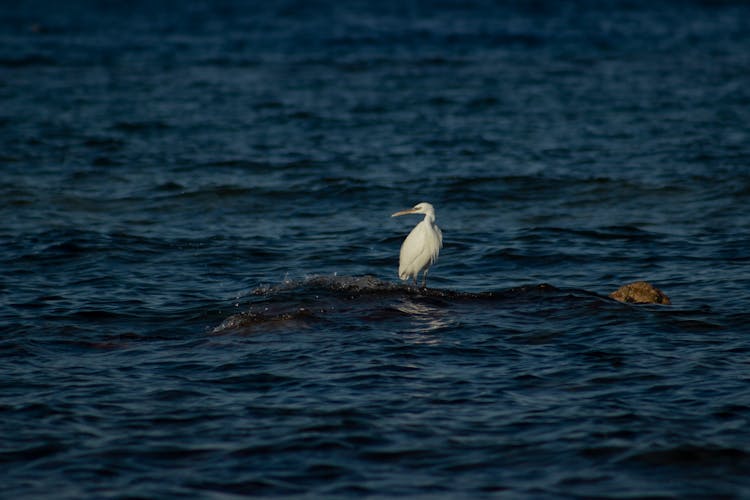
(421, 248)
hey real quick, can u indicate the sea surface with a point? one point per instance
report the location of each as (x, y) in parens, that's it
(198, 268)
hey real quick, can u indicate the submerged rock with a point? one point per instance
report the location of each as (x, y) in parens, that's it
(640, 292)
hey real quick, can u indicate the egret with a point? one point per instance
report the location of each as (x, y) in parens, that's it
(421, 248)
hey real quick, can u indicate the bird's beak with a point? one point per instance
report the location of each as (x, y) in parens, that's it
(405, 212)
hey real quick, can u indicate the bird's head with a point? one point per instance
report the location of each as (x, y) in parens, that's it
(419, 208)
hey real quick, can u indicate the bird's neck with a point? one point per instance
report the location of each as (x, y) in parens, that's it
(429, 218)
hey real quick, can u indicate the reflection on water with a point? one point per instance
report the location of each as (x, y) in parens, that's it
(425, 318)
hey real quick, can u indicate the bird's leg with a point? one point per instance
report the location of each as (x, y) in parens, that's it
(424, 279)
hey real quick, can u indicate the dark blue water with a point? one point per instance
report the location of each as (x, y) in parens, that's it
(198, 290)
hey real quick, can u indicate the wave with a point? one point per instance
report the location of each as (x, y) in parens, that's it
(300, 303)
(354, 286)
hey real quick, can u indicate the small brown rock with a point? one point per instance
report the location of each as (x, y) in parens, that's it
(640, 292)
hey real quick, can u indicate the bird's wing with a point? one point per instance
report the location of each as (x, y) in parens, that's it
(412, 250)
(420, 249)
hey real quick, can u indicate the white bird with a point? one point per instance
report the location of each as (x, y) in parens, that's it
(421, 248)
